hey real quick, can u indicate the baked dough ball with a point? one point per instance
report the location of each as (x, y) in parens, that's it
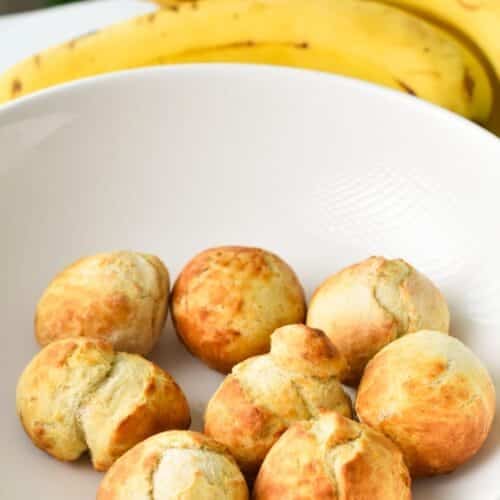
(365, 306)
(120, 297)
(175, 465)
(263, 395)
(332, 457)
(228, 300)
(432, 396)
(78, 394)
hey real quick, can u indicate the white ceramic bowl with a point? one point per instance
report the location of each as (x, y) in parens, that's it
(322, 170)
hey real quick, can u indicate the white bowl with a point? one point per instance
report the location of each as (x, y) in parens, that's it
(323, 170)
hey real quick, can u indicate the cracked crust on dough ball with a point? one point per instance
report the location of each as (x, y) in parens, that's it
(175, 465)
(432, 396)
(228, 300)
(78, 394)
(369, 304)
(333, 458)
(120, 297)
(265, 394)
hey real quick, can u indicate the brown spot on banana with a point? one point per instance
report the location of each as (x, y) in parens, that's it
(17, 87)
(174, 5)
(406, 87)
(151, 17)
(37, 60)
(246, 43)
(302, 45)
(468, 83)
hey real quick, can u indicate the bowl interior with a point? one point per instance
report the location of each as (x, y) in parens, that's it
(322, 170)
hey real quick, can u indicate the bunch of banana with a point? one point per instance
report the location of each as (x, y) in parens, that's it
(365, 39)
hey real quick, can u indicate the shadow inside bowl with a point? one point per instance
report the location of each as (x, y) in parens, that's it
(197, 381)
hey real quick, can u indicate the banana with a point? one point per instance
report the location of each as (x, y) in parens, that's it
(477, 20)
(363, 39)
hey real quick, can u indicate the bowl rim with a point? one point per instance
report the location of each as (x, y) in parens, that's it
(217, 70)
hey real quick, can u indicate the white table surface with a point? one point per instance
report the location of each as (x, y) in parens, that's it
(24, 34)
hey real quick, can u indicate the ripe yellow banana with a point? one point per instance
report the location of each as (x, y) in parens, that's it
(364, 39)
(478, 20)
